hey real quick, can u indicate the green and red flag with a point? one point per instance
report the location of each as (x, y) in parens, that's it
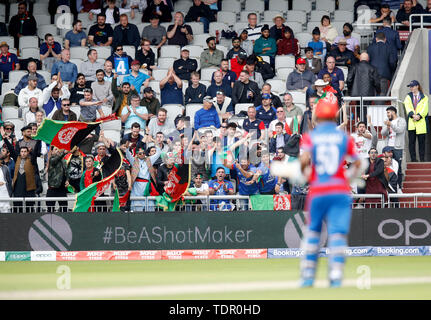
(178, 182)
(271, 202)
(120, 201)
(67, 134)
(86, 197)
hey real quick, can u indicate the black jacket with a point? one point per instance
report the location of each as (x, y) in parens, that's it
(238, 89)
(149, 59)
(343, 59)
(162, 176)
(195, 95)
(28, 28)
(363, 80)
(151, 11)
(381, 57)
(199, 11)
(183, 68)
(265, 69)
(132, 37)
(379, 171)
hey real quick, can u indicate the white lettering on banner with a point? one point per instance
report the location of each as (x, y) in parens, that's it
(68, 253)
(407, 228)
(43, 256)
(159, 234)
(394, 251)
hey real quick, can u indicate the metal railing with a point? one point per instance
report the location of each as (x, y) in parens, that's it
(418, 24)
(204, 203)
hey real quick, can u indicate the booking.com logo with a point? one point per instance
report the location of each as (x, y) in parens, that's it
(65, 19)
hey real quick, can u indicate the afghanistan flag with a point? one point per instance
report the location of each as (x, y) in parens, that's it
(271, 202)
(120, 201)
(67, 134)
(85, 198)
(179, 180)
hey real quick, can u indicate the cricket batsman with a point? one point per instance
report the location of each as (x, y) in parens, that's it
(325, 152)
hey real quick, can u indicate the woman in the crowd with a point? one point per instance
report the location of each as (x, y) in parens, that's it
(288, 45)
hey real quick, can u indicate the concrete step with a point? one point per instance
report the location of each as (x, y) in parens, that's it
(418, 172)
(417, 184)
(418, 178)
(419, 165)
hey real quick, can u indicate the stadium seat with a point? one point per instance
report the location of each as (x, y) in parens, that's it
(298, 97)
(130, 50)
(195, 51)
(42, 19)
(239, 27)
(200, 40)
(46, 75)
(102, 52)
(296, 16)
(2, 12)
(284, 62)
(231, 6)
(304, 5)
(8, 40)
(269, 15)
(183, 5)
(166, 24)
(9, 113)
(114, 135)
(345, 16)
(29, 53)
(64, 31)
(155, 51)
(266, 59)
(214, 26)
(137, 19)
(316, 15)
(197, 27)
(28, 42)
(13, 9)
(77, 110)
(185, 86)
(166, 62)
(255, 5)
(78, 53)
(207, 73)
(303, 38)
(242, 107)
(19, 123)
(328, 5)
(86, 22)
(170, 51)
(206, 83)
(77, 62)
(7, 86)
(347, 5)
(278, 5)
(111, 125)
(227, 17)
(244, 16)
(40, 8)
(42, 30)
(283, 73)
(174, 110)
(223, 48)
(16, 75)
(191, 110)
(141, 27)
(159, 74)
(338, 25)
(296, 26)
(277, 86)
(106, 111)
(155, 85)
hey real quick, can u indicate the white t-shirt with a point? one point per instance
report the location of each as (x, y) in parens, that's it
(392, 134)
(203, 187)
(363, 145)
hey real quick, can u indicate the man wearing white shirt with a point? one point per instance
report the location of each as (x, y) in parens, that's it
(31, 90)
(253, 29)
(363, 140)
(53, 94)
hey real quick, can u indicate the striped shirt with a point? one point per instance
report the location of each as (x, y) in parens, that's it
(254, 33)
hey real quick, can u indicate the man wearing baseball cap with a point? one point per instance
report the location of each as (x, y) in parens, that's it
(207, 116)
(300, 78)
(184, 66)
(150, 101)
(137, 78)
(237, 64)
(266, 112)
(8, 61)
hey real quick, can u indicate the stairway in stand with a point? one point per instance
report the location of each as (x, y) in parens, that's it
(417, 179)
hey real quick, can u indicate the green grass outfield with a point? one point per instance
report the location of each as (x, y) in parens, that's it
(117, 279)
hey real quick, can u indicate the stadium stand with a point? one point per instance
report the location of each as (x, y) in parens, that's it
(234, 89)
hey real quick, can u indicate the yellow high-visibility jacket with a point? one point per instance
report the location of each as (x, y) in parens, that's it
(421, 110)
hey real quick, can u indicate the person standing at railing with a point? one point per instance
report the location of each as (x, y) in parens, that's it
(374, 176)
(219, 186)
(58, 179)
(416, 107)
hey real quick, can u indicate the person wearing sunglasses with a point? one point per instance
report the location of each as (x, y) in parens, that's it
(119, 53)
(65, 114)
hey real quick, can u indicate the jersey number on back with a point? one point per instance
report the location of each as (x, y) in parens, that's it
(327, 156)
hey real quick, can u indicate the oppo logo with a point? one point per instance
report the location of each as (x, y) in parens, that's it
(405, 229)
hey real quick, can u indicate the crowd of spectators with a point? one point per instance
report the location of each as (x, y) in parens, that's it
(230, 151)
